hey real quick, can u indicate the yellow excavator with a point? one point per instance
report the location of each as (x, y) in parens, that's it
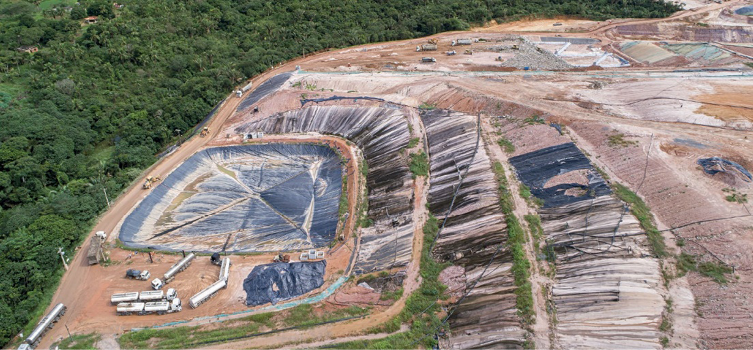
(150, 180)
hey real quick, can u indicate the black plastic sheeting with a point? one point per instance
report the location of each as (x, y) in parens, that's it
(264, 89)
(265, 205)
(716, 165)
(536, 168)
(272, 283)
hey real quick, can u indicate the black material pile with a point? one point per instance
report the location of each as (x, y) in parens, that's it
(715, 165)
(536, 168)
(275, 282)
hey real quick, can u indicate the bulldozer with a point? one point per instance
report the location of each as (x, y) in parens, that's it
(149, 181)
(281, 258)
(433, 41)
(468, 52)
(204, 132)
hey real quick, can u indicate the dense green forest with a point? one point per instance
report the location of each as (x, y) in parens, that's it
(89, 111)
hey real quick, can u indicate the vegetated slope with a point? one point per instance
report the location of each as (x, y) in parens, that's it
(89, 110)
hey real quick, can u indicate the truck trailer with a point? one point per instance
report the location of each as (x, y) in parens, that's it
(207, 293)
(128, 297)
(151, 295)
(44, 325)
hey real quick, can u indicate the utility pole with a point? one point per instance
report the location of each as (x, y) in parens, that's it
(106, 199)
(177, 131)
(69, 332)
(62, 257)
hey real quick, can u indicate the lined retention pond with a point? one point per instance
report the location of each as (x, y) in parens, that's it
(249, 198)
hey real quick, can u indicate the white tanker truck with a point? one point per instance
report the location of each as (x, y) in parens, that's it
(170, 274)
(43, 326)
(158, 307)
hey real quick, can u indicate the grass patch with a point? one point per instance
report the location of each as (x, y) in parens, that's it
(534, 223)
(533, 120)
(685, 263)
(413, 142)
(618, 140)
(715, 271)
(343, 197)
(506, 145)
(524, 191)
(749, 64)
(303, 315)
(515, 240)
(80, 341)
(643, 213)
(393, 295)
(419, 164)
(427, 106)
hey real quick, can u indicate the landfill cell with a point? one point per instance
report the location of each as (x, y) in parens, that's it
(249, 198)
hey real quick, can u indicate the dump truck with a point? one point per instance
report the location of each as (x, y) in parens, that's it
(207, 293)
(128, 297)
(204, 131)
(149, 181)
(451, 53)
(174, 270)
(44, 325)
(137, 274)
(428, 60)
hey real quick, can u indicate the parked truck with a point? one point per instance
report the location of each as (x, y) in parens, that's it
(158, 307)
(151, 295)
(128, 297)
(174, 270)
(137, 274)
(43, 326)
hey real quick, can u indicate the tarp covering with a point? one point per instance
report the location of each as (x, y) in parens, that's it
(716, 165)
(264, 197)
(264, 89)
(536, 168)
(272, 283)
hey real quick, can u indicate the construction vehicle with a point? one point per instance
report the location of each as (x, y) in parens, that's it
(118, 298)
(101, 235)
(281, 258)
(468, 52)
(428, 60)
(312, 255)
(451, 53)
(216, 259)
(207, 293)
(204, 132)
(139, 275)
(174, 270)
(433, 41)
(43, 326)
(150, 180)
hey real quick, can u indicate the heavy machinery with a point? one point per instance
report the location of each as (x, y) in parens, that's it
(118, 298)
(433, 41)
(468, 52)
(207, 293)
(451, 53)
(174, 270)
(43, 326)
(158, 307)
(137, 274)
(281, 258)
(204, 132)
(150, 180)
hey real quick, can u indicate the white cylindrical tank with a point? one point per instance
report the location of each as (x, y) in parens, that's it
(207, 293)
